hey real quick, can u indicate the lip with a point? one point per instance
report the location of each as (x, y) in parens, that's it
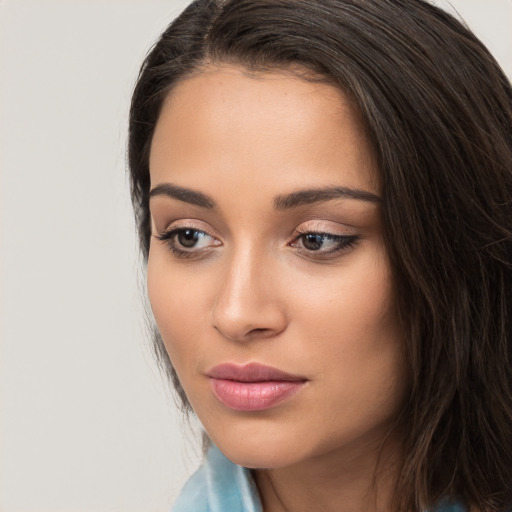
(252, 387)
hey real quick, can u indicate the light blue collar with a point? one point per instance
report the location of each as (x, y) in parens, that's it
(221, 486)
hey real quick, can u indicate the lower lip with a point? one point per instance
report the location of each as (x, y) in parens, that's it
(253, 396)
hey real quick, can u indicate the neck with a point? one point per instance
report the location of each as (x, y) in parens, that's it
(343, 480)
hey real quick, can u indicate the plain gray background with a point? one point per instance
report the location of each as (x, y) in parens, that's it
(86, 422)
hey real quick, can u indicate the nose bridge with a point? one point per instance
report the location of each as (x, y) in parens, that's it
(246, 303)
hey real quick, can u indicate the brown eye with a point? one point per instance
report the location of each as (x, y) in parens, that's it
(189, 242)
(325, 245)
(188, 237)
(313, 241)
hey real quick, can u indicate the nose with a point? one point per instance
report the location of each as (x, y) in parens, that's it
(248, 303)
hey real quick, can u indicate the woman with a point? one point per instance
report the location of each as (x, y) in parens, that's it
(323, 191)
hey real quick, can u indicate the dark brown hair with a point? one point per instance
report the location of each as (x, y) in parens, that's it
(438, 111)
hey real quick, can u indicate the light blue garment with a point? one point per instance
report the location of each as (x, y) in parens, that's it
(221, 486)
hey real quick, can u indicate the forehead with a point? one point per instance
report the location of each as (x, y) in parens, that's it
(228, 122)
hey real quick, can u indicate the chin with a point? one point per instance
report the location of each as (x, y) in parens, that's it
(259, 457)
(269, 449)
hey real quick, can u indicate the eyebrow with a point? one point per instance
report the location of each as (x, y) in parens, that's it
(182, 194)
(281, 202)
(317, 195)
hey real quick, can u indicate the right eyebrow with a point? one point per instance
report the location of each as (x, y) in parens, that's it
(317, 195)
(186, 195)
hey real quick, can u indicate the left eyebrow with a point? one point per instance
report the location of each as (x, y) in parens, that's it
(186, 195)
(317, 195)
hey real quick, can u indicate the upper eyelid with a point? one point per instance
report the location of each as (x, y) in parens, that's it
(194, 224)
(326, 232)
(325, 227)
(177, 229)
(171, 228)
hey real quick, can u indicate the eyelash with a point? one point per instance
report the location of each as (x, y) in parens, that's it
(343, 242)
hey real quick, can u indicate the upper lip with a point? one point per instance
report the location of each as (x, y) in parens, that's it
(251, 372)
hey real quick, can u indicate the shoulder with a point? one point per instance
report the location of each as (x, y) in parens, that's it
(219, 485)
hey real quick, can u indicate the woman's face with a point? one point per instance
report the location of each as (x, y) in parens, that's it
(267, 274)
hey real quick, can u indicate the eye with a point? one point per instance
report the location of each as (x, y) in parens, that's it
(190, 238)
(324, 244)
(186, 242)
(313, 241)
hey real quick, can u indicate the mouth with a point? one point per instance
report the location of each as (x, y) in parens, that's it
(252, 387)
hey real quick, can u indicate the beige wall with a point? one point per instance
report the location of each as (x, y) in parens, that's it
(85, 423)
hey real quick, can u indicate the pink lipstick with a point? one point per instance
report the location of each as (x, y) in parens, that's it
(252, 387)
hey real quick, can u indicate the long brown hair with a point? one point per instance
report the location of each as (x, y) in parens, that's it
(438, 111)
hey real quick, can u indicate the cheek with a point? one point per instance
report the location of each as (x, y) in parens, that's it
(175, 304)
(351, 336)
(356, 299)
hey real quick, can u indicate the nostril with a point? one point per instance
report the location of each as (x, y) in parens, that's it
(249, 334)
(260, 332)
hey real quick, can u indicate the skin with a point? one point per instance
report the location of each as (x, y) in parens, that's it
(252, 290)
